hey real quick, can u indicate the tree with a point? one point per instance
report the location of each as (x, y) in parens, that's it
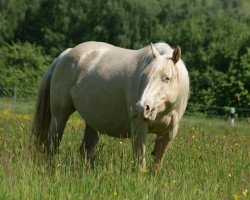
(12, 12)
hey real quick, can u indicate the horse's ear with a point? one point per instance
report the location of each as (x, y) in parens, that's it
(176, 54)
(154, 51)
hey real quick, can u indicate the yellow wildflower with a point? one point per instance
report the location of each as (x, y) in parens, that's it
(230, 175)
(27, 117)
(115, 193)
(193, 136)
(245, 192)
(236, 197)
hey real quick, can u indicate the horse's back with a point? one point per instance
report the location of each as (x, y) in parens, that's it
(85, 47)
(88, 47)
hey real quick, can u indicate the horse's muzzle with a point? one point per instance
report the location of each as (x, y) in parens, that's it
(145, 110)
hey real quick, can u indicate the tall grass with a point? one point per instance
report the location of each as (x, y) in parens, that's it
(20, 105)
(208, 160)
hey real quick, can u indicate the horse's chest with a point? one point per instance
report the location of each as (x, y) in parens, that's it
(161, 125)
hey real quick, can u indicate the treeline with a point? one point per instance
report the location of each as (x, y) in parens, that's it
(214, 36)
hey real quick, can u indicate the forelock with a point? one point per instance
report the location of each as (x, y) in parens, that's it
(147, 57)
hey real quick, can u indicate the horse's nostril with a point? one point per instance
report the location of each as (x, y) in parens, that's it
(144, 110)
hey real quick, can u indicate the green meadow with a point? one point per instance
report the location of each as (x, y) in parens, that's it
(209, 159)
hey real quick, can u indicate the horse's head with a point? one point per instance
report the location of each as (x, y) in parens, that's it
(158, 84)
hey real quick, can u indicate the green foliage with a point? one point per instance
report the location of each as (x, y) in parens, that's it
(237, 85)
(214, 35)
(12, 13)
(9, 17)
(126, 23)
(213, 50)
(22, 65)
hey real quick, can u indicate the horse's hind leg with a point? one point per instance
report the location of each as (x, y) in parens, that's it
(89, 142)
(57, 125)
(60, 113)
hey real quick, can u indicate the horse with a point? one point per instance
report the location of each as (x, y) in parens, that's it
(120, 92)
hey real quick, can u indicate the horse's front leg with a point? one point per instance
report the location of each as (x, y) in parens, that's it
(139, 139)
(164, 141)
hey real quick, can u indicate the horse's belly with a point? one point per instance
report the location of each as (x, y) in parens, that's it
(105, 112)
(110, 123)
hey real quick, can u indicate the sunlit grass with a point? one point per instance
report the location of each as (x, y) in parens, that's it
(18, 105)
(208, 160)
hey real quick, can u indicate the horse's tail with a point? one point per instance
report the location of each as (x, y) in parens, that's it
(41, 121)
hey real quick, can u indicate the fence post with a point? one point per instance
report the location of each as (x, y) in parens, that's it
(232, 115)
(14, 99)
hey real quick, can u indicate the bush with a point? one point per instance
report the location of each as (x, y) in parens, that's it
(22, 66)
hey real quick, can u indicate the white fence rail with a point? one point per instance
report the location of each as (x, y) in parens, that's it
(225, 112)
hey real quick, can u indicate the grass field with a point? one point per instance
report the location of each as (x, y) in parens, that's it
(209, 159)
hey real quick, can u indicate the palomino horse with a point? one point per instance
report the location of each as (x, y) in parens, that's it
(119, 92)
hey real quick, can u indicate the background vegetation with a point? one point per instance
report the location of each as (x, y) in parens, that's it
(209, 159)
(214, 36)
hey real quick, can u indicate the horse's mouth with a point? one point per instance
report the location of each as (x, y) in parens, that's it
(150, 118)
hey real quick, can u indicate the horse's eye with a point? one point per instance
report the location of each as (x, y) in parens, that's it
(165, 79)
